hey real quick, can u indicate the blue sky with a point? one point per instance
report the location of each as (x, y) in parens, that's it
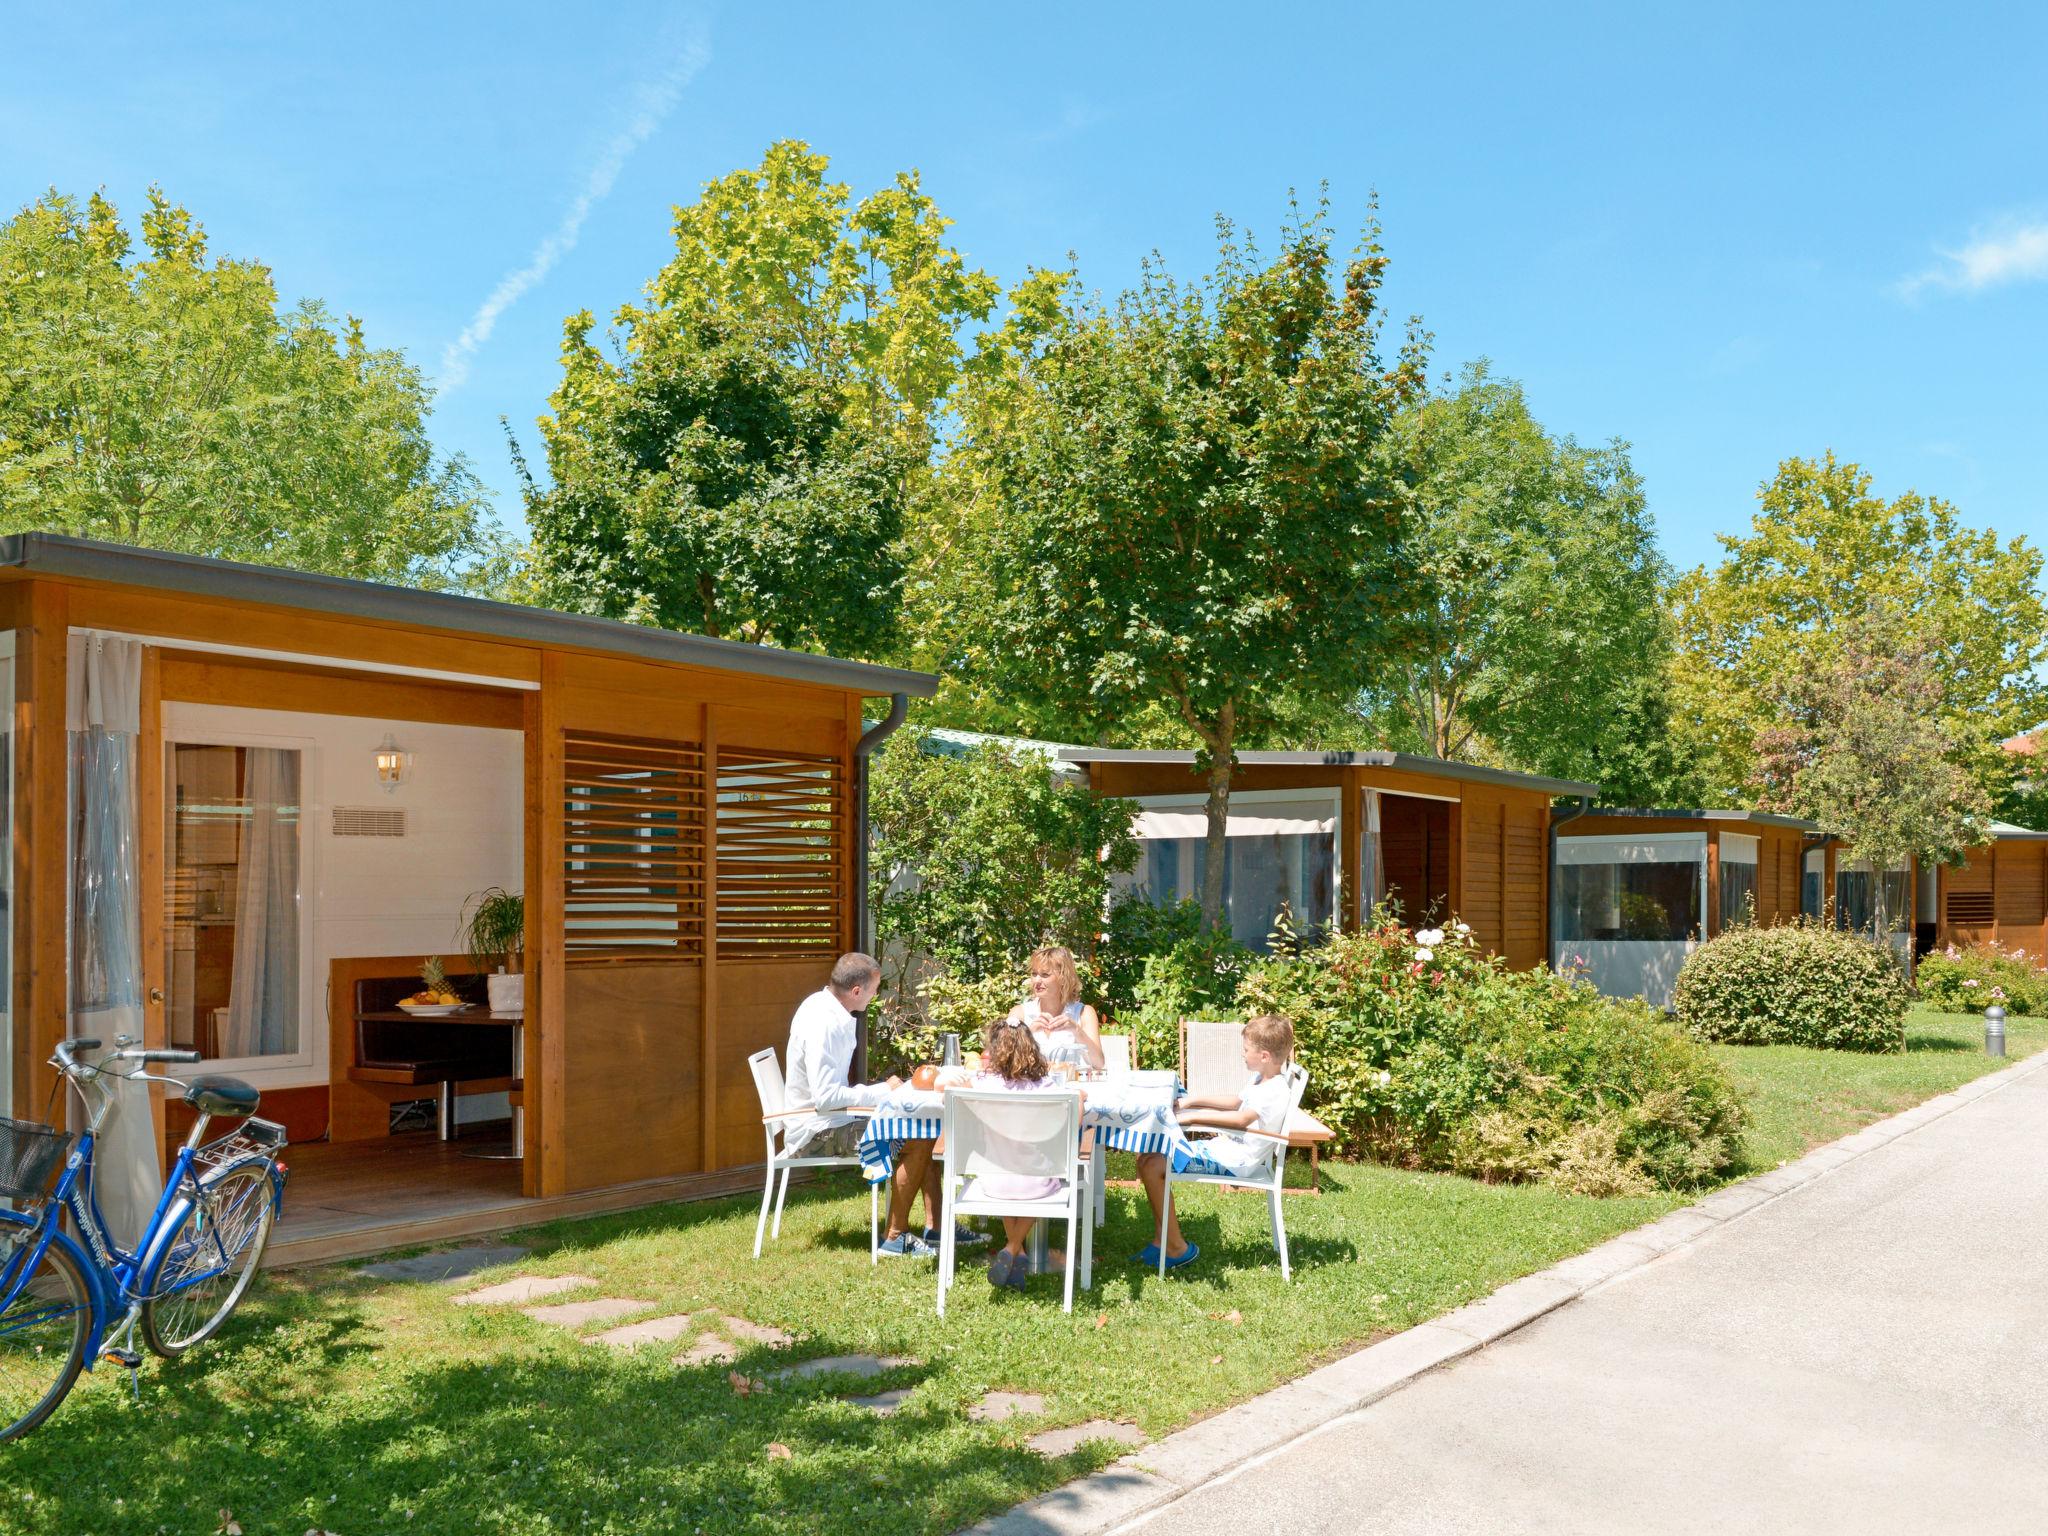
(1725, 234)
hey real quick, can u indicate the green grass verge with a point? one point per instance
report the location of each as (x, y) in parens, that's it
(1800, 1099)
(335, 1403)
(341, 1404)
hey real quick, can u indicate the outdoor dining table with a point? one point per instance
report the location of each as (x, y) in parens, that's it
(1128, 1113)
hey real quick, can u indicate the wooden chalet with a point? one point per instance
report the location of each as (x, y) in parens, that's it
(1330, 834)
(1997, 895)
(306, 778)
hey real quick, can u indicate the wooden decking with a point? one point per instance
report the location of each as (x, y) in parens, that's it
(350, 1199)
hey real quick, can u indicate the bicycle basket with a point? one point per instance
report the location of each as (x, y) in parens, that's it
(30, 1156)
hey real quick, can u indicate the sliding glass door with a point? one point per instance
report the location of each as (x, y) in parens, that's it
(234, 864)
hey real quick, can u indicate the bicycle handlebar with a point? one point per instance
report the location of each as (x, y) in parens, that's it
(182, 1058)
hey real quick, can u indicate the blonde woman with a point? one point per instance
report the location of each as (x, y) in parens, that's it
(1065, 1027)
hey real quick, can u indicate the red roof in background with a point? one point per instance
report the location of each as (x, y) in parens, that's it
(2028, 744)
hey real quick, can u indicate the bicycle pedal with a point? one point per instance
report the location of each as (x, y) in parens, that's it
(131, 1358)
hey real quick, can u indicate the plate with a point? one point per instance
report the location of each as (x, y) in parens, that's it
(432, 1010)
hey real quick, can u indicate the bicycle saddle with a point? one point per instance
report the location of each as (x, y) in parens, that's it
(222, 1096)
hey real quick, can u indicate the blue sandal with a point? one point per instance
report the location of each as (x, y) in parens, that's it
(1188, 1257)
(1147, 1256)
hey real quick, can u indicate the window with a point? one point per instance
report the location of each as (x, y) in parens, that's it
(1644, 889)
(1738, 879)
(1856, 895)
(1281, 854)
(1813, 872)
(232, 909)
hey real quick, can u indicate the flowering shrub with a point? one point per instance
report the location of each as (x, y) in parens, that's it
(1425, 1051)
(1793, 984)
(1969, 980)
(903, 1032)
(1196, 978)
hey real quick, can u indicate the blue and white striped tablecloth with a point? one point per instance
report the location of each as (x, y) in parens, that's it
(1125, 1118)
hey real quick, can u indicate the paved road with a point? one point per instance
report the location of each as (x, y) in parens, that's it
(1867, 1354)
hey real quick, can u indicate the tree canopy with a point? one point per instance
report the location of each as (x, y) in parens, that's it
(1863, 750)
(1186, 507)
(1543, 618)
(1823, 553)
(165, 399)
(739, 463)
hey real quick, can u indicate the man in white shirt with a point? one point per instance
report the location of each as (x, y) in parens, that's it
(822, 1037)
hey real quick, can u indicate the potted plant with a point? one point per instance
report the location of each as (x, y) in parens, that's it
(494, 933)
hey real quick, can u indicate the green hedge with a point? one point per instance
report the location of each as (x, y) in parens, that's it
(1793, 984)
(1436, 1055)
(1970, 980)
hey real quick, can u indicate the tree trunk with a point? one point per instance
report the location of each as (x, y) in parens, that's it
(1222, 759)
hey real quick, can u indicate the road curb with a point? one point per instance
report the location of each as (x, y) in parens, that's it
(1151, 1478)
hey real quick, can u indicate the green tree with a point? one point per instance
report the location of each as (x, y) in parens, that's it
(167, 401)
(980, 858)
(1545, 595)
(1823, 551)
(1863, 751)
(1186, 509)
(740, 463)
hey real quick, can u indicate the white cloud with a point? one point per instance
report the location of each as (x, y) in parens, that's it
(2013, 253)
(653, 100)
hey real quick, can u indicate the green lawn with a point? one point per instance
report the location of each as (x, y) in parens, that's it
(1800, 1099)
(334, 1403)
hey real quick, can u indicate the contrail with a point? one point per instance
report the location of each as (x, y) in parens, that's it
(653, 101)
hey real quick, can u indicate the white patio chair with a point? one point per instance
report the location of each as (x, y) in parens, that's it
(1269, 1178)
(1116, 1054)
(1212, 1058)
(1029, 1135)
(777, 1114)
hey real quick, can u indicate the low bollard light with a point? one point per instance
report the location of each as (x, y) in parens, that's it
(1994, 1030)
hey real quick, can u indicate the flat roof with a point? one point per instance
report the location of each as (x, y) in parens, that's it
(1440, 767)
(2006, 832)
(58, 555)
(1763, 818)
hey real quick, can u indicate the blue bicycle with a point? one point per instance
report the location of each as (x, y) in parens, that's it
(61, 1297)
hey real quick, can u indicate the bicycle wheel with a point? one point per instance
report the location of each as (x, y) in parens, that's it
(209, 1259)
(42, 1333)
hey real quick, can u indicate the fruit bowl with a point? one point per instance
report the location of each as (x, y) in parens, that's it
(432, 1010)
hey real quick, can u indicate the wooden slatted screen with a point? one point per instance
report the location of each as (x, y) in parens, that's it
(1969, 908)
(633, 848)
(782, 839)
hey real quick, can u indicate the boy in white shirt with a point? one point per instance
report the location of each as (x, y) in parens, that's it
(1263, 1106)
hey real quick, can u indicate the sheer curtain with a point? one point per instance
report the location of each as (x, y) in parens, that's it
(263, 995)
(103, 720)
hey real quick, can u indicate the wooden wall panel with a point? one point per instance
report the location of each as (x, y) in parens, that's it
(1485, 822)
(1525, 884)
(755, 1001)
(630, 1055)
(2016, 897)
(1415, 850)
(1968, 902)
(41, 887)
(196, 678)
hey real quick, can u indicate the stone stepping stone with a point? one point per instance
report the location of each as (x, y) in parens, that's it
(883, 1404)
(575, 1314)
(709, 1349)
(524, 1288)
(656, 1330)
(998, 1406)
(1058, 1442)
(451, 1265)
(841, 1365)
(754, 1333)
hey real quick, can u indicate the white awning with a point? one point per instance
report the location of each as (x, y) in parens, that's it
(1283, 820)
(1674, 848)
(1737, 848)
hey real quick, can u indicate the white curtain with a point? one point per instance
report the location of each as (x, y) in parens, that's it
(103, 719)
(263, 995)
(1373, 867)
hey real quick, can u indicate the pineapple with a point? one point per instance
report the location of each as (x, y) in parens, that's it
(434, 988)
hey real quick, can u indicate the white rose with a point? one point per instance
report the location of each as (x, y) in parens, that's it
(1461, 927)
(1425, 954)
(1386, 1078)
(1429, 938)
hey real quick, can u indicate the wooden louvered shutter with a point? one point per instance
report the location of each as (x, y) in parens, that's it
(782, 846)
(633, 854)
